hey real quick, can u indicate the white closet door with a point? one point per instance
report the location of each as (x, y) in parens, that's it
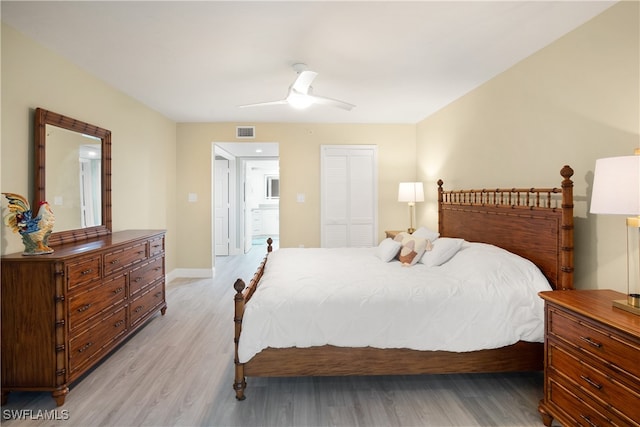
(349, 196)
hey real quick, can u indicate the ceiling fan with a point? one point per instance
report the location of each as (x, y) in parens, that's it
(301, 95)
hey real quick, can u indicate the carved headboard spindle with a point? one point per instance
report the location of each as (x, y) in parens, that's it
(536, 223)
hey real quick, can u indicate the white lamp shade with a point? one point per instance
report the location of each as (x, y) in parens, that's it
(616, 186)
(410, 192)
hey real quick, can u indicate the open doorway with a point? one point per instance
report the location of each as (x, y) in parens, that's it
(262, 201)
(247, 194)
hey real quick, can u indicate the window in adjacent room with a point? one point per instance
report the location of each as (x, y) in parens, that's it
(273, 187)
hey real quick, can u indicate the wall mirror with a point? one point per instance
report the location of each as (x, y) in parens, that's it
(73, 174)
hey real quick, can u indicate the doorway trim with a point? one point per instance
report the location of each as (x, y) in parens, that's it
(245, 151)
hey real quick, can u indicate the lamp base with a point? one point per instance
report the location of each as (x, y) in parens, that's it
(626, 306)
(410, 230)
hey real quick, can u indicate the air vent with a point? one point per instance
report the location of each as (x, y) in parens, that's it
(245, 131)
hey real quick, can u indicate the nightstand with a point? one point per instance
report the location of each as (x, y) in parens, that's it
(592, 360)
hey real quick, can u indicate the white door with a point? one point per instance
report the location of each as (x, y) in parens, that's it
(349, 195)
(221, 222)
(246, 210)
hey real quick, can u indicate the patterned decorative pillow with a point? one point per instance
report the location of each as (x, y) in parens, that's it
(412, 249)
(401, 236)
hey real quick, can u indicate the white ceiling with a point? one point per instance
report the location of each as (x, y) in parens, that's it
(197, 61)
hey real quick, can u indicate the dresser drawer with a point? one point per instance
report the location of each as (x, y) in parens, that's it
(122, 258)
(145, 275)
(579, 411)
(619, 353)
(605, 389)
(89, 343)
(83, 271)
(149, 300)
(90, 302)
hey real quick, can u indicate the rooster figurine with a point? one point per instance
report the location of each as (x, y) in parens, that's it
(35, 232)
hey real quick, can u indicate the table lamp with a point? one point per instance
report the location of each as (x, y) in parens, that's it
(411, 192)
(616, 190)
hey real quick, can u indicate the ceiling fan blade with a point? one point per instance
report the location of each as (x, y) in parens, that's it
(331, 102)
(303, 82)
(261, 104)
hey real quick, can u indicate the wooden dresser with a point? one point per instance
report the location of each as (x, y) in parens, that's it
(64, 312)
(592, 360)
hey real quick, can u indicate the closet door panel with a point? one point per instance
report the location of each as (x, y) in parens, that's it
(348, 195)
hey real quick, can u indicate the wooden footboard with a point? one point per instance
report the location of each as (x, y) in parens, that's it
(243, 295)
(535, 223)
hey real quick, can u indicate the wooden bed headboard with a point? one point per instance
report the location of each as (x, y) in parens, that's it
(535, 223)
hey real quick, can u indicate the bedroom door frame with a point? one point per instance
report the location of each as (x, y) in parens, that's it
(238, 217)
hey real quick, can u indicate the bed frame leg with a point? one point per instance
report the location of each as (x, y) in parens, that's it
(240, 384)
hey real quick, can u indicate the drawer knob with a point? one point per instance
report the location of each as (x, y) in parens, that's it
(591, 342)
(118, 323)
(90, 270)
(138, 308)
(85, 347)
(588, 420)
(137, 279)
(115, 261)
(84, 308)
(117, 291)
(591, 382)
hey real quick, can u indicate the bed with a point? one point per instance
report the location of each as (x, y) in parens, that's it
(532, 225)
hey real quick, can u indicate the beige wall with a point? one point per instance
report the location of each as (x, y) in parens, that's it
(299, 173)
(573, 102)
(143, 164)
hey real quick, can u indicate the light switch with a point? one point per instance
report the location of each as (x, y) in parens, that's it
(57, 200)
(300, 197)
(193, 197)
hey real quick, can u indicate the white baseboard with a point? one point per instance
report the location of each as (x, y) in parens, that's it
(204, 273)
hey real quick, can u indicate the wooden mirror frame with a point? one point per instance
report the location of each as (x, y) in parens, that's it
(44, 117)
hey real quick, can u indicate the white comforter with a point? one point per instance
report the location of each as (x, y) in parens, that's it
(484, 297)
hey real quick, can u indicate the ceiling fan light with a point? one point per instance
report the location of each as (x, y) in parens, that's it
(298, 100)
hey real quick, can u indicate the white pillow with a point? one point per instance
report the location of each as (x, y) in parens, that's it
(442, 251)
(425, 233)
(388, 249)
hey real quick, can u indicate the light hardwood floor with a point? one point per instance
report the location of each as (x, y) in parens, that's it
(178, 371)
